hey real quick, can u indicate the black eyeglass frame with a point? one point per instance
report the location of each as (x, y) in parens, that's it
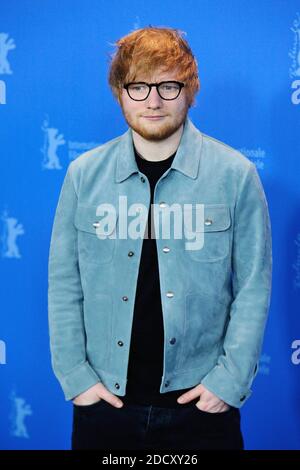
(156, 85)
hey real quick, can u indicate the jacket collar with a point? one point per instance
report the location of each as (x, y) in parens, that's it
(186, 160)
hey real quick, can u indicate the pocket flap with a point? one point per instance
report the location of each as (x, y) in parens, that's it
(216, 218)
(87, 220)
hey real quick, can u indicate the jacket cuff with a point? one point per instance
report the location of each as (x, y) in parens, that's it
(221, 383)
(78, 380)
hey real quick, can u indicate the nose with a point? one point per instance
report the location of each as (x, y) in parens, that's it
(154, 101)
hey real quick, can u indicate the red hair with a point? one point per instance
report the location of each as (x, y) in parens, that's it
(147, 49)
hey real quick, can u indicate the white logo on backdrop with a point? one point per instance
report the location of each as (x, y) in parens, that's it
(20, 410)
(2, 352)
(75, 149)
(2, 92)
(257, 156)
(11, 231)
(294, 54)
(137, 23)
(6, 45)
(296, 265)
(52, 140)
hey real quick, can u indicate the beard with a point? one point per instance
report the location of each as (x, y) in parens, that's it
(156, 131)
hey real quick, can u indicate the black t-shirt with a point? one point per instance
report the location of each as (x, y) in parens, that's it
(145, 368)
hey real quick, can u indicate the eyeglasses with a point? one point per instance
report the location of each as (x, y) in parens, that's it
(139, 91)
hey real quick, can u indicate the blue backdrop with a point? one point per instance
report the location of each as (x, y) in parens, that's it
(56, 103)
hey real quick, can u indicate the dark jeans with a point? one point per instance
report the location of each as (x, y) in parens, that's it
(143, 427)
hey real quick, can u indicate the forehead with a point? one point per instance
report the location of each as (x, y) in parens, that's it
(157, 76)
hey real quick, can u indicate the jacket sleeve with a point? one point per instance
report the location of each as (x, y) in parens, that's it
(232, 376)
(65, 299)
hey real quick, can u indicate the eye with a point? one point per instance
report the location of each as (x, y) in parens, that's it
(170, 86)
(137, 87)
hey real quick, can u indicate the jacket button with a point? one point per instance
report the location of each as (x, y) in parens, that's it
(117, 386)
(130, 253)
(208, 222)
(166, 249)
(243, 398)
(120, 343)
(162, 204)
(167, 383)
(124, 298)
(170, 294)
(173, 341)
(143, 179)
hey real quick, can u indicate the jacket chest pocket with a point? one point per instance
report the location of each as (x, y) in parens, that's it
(96, 234)
(213, 235)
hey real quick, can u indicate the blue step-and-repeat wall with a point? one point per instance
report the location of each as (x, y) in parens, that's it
(55, 103)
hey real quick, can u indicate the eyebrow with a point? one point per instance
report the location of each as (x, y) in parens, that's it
(158, 81)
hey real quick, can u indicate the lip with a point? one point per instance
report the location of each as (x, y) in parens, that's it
(153, 118)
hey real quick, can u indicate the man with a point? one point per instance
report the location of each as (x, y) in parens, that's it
(138, 321)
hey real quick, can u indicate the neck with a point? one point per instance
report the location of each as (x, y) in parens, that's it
(157, 151)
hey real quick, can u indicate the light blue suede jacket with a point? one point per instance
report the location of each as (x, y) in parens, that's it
(215, 300)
